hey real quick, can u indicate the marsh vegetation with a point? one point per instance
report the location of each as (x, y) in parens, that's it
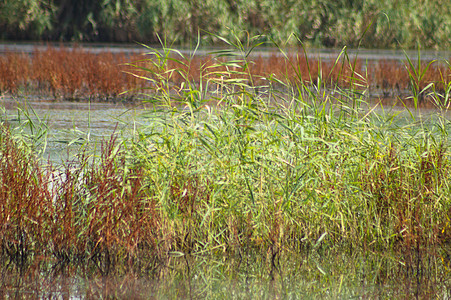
(254, 178)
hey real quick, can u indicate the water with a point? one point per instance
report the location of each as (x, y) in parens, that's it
(71, 124)
(328, 274)
(364, 54)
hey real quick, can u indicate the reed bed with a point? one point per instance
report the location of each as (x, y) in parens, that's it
(78, 74)
(66, 74)
(233, 165)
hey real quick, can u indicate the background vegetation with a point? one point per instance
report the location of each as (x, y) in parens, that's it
(326, 23)
(76, 74)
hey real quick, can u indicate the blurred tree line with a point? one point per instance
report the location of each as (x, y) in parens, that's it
(329, 23)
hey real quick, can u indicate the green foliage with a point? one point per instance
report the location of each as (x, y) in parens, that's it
(116, 20)
(26, 19)
(371, 24)
(288, 159)
(181, 20)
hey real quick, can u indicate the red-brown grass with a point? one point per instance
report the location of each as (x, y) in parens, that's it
(26, 206)
(410, 211)
(95, 211)
(78, 74)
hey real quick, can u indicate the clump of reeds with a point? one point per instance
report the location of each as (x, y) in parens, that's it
(273, 168)
(24, 216)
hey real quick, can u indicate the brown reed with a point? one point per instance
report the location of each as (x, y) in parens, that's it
(405, 208)
(26, 205)
(79, 74)
(98, 212)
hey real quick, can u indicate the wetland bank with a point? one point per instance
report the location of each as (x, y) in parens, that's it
(230, 183)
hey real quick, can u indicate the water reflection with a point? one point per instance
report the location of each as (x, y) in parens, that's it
(329, 274)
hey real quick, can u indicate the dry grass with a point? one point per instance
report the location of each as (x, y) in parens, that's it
(66, 73)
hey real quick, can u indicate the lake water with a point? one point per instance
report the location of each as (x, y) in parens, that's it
(72, 123)
(364, 54)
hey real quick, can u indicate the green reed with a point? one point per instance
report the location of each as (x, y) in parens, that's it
(290, 164)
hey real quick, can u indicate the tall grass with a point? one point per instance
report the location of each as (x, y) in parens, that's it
(235, 163)
(284, 165)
